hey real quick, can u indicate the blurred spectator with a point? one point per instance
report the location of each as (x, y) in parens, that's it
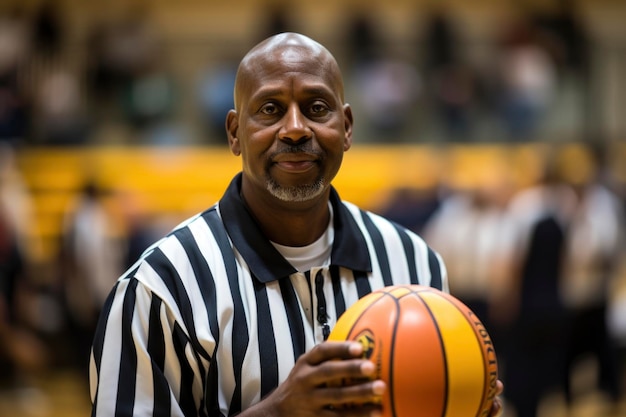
(362, 39)
(148, 102)
(22, 354)
(11, 265)
(451, 84)
(132, 43)
(92, 260)
(412, 207)
(439, 38)
(14, 51)
(469, 230)
(526, 80)
(277, 19)
(148, 92)
(58, 111)
(566, 37)
(139, 229)
(16, 199)
(104, 78)
(388, 88)
(127, 74)
(48, 33)
(594, 252)
(215, 97)
(532, 307)
(385, 81)
(455, 94)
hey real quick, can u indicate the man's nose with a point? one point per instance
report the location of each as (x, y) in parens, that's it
(295, 127)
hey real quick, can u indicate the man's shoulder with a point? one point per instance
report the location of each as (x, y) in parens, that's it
(382, 221)
(180, 256)
(183, 237)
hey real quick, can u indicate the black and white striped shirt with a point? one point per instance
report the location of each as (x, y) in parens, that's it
(212, 317)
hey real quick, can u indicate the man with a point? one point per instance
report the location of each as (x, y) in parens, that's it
(229, 313)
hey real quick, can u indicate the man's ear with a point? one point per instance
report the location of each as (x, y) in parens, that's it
(232, 125)
(348, 122)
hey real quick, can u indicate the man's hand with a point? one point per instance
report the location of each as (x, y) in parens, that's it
(497, 407)
(315, 387)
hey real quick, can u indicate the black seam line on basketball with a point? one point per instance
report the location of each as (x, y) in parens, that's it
(391, 348)
(485, 385)
(443, 350)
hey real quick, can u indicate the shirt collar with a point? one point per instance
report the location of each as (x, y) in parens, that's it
(265, 262)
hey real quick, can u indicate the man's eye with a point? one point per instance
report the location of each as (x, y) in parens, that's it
(318, 108)
(269, 108)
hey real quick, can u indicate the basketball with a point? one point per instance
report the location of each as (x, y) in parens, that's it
(433, 353)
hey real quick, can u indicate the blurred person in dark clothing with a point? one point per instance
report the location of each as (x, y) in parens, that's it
(451, 83)
(594, 252)
(21, 351)
(11, 265)
(526, 79)
(411, 207)
(531, 310)
(14, 102)
(48, 31)
(91, 260)
(361, 38)
(58, 111)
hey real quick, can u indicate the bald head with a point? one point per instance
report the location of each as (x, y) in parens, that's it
(291, 50)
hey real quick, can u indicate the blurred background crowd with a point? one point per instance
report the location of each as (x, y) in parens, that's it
(541, 261)
(149, 72)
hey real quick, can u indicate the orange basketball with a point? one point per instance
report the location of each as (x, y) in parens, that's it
(435, 356)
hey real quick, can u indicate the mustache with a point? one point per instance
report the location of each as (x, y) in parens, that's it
(303, 147)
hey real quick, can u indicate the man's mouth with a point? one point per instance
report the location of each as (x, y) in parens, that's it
(291, 163)
(295, 161)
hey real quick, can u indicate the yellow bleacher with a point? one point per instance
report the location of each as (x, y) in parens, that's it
(179, 181)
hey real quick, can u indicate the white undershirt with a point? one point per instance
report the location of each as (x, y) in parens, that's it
(317, 254)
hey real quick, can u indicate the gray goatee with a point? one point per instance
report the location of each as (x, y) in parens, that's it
(296, 193)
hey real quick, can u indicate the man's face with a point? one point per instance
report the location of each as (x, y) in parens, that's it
(291, 126)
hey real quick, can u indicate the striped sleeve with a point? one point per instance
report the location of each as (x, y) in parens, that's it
(142, 356)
